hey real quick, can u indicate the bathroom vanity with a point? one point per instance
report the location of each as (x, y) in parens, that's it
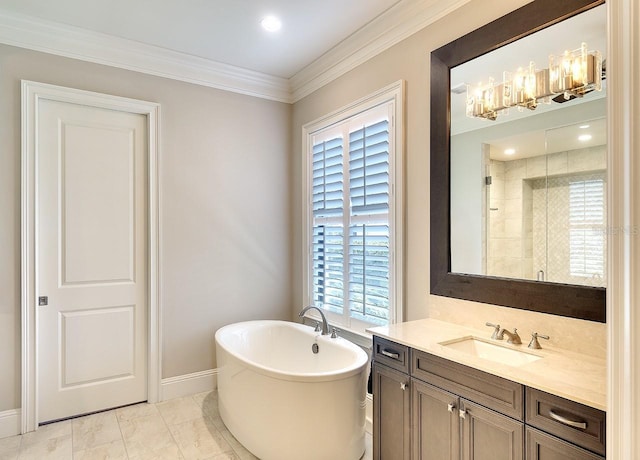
(435, 400)
(446, 392)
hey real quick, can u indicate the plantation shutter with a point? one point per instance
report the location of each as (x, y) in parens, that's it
(328, 179)
(328, 210)
(586, 222)
(369, 228)
(369, 170)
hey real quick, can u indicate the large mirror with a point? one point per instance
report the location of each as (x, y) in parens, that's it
(518, 161)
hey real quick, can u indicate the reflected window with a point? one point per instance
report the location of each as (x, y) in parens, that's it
(586, 227)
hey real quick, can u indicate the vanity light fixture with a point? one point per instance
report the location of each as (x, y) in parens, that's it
(509, 151)
(271, 24)
(571, 75)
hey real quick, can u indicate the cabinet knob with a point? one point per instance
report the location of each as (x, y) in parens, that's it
(462, 413)
(451, 407)
(403, 386)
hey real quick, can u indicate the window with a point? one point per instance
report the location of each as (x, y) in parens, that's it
(353, 221)
(587, 243)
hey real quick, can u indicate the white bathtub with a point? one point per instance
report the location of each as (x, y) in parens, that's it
(282, 401)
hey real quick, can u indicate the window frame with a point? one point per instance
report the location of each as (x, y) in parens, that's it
(393, 96)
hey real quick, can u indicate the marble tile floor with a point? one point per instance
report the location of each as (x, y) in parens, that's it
(185, 428)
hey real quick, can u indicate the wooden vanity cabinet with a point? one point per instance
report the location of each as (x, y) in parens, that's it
(570, 421)
(415, 417)
(454, 412)
(543, 446)
(480, 416)
(391, 414)
(488, 435)
(392, 403)
(435, 423)
(447, 427)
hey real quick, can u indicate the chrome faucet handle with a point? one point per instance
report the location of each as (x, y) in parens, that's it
(534, 340)
(317, 328)
(496, 330)
(334, 333)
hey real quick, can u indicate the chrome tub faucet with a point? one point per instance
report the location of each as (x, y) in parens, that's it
(325, 324)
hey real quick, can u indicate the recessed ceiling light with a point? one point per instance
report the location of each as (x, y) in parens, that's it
(509, 151)
(584, 126)
(271, 24)
(584, 137)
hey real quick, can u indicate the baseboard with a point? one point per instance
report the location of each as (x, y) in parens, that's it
(10, 423)
(368, 427)
(188, 384)
(172, 387)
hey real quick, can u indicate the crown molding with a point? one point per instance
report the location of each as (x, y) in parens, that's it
(388, 29)
(63, 40)
(399, 22)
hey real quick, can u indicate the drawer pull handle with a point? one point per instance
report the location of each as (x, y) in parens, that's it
(566, 421)
(390, 354)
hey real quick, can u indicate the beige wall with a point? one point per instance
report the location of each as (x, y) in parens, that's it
(225, 229)
(409, 60)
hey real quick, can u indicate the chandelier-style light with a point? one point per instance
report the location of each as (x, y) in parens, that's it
(571, 75)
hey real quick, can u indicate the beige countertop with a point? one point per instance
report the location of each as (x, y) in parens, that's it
(571, 375)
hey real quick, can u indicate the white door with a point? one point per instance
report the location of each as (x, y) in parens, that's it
(91, 259)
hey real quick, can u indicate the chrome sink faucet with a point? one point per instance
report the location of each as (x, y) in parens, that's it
(514, 338)
(325, 324)
(498, 334)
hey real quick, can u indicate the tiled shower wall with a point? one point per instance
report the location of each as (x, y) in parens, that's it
(518, 210)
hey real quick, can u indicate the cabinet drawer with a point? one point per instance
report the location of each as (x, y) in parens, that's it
(391, 354)
(542, 446)
(494, 392)
(579, 424)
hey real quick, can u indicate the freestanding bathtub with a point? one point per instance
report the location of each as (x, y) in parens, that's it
(282, 401)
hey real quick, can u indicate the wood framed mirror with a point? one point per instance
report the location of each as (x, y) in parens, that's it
(571, 300)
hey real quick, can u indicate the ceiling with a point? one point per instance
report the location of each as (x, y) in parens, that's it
(220, 43)
(224, 31)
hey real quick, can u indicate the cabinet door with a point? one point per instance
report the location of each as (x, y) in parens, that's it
(391, 414)
(542, 446)
(435, 423)
(488, 435)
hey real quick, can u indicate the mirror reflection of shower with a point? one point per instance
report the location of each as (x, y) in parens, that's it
(545, 207)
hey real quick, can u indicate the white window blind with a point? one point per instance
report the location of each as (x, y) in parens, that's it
(353, 211)
(369, 229)
(586, 227)
(351, 270)
(328, 238)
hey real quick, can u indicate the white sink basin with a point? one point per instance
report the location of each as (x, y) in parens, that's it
(486, 349)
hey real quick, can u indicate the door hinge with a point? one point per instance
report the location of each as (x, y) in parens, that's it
(487, 180)
(43, 300)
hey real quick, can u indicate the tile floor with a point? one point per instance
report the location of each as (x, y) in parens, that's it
(184, 428)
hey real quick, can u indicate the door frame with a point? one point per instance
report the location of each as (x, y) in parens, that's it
(32, 93)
